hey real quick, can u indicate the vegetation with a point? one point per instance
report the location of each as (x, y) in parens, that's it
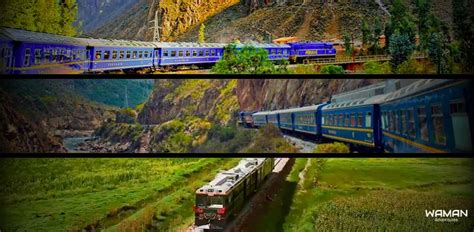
(378, 194)
(332, 69)
(202, 33)
(126, 116)
(49, 16)
(374, 67)
(112, 194)
(228, 105)
(227, 139)
(270, 140)
(335, 147)
(248, 60)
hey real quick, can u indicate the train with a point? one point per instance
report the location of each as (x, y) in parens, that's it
(26, 52)
(426, 116)
(219, 201)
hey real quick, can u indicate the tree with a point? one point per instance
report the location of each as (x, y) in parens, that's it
(247, 60)
(47, 16)
(463, 31)
(400, 48)
(374, 67)
(68, 10)
(347, 43)
(439, 52)
(422, 10)
(202, 33)
(332, 69)
(378, 29)
(365, 33)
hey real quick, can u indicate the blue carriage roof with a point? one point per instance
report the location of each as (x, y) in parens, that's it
(38, 37)
(309, 44)
(263, 45)
(116, 43)
(261, 113)
(302, 109)
(377, 99)
(188, 45)
(417, 87)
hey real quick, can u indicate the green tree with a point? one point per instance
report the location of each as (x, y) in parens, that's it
(202, 33)
(463, 31)
(439, 52)
(247, 60)
(374, 67)
(366, 33)
(332, 69)
(68, 12)
(400, 48)
(347, 43)
(422, 11)
(47, 16)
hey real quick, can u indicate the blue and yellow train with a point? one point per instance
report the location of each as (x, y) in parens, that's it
(423, 117)
(25, 52)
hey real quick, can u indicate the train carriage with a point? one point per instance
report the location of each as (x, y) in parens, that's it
(273, 118)
(287, 119)
(6, 55)
(429, 116)
(108, 55)
(186, 53)
(311, 50)
(308, 119)
(220, 201)
(260, 118)
(42, 53)
(355, 122)
(275, 52)
(245, 118)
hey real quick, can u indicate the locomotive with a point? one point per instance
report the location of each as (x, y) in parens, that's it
(219, 201)
(26, 52)
(426, 116)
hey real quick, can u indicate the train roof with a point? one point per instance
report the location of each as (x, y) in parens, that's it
(38, 37)
(189, 45)
(302, 109)
(227, 179)
(309, 44)
(263, 45)
(417, 87)
(262, 113)
(116, 43)
(358, 102)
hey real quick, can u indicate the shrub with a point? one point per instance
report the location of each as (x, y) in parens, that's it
(332, 69)
(335, 147)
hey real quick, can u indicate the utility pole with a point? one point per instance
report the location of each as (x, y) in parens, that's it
(156, 26)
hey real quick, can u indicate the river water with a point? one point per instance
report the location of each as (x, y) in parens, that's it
(72, 143)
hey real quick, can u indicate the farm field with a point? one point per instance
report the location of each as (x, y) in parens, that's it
(102, 194)
(378, 194)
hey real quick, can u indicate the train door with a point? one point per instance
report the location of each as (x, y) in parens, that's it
(460, 124)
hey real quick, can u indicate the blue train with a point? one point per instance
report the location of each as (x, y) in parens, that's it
(423, 117)
(25, 52)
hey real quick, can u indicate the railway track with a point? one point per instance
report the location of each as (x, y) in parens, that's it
(278, 167)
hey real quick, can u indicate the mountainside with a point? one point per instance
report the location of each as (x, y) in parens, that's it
(226, 20)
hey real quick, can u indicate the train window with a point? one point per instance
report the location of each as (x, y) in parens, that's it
(341, 120)
(194, 53)
(106, 55)
(207, 52)
(98, 55)
(188, 53)
(274, 51)
(438, 124)
(61, 54)
(285, 52)
(26, 61)
(201, 52)
(404, 127)
(47, 55)
(37, 56)
(135, 54)
(396, 121)
(54, 53)
(129, 54)
(360, 120)
(423, 123)
(279, 51)
(346, 120)
(213, 52)
(165, 52)
(411, 123)
(114, 55)
(353, 120)
(145, 54)
(140, 54)
(180, 53)
(460, 124)
(368, 119)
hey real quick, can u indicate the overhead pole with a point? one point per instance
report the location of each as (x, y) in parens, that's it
(156, 26)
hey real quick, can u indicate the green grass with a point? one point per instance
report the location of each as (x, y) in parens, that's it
(69, 194)
(381, 194)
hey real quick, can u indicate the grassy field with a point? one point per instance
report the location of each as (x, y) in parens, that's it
(379, 194)
(110, 194)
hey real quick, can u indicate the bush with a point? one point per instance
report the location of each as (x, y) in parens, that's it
(374, 67)
(332, 69)
(126, 116)
(335, 147)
